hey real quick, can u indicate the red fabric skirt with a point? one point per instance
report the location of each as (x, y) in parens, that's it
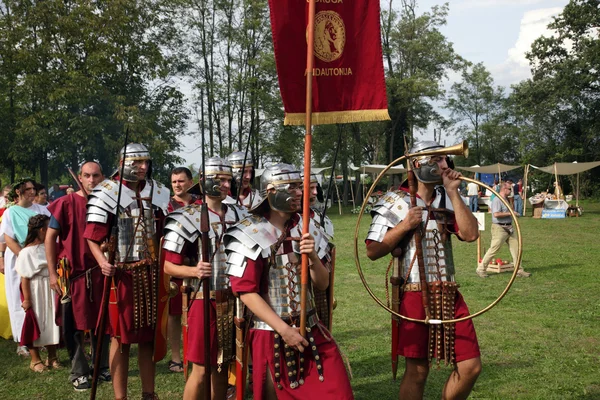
(195, 345)
(336, 385)
(414, 336)
(176, 303)
(122, 322)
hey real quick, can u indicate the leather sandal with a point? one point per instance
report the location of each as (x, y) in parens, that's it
(175, 366)
(38, 367)
(53, 363)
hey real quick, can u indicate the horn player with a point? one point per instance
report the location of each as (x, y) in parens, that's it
(433, 211)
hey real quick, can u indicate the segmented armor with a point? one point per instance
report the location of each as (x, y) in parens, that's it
(392, 208)
(136, 250)
(183, 225)
(255, 237)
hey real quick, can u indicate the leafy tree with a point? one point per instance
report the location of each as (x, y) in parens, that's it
(475, 101)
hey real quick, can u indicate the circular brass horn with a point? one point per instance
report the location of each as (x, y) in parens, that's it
(425, 321)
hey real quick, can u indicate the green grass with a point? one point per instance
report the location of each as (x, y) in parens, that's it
(541, 341)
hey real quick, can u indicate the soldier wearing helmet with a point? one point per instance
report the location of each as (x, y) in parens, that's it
(243, 175)
(135, 316)
(440, 213)
(183, 260)
(263, 261)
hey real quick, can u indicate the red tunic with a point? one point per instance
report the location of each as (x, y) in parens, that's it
(414, 336)
(86, 289)
(195, 317)
(336, 385)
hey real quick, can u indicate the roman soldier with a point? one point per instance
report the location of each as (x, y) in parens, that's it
(427, 286)
(243, 176)
(136, 308)
(263, 257)
(183, 260)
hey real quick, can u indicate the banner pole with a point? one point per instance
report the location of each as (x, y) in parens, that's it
(307, 158)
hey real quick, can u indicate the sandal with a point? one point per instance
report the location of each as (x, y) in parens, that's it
(38, 367)
(175, 366)
(53, 363)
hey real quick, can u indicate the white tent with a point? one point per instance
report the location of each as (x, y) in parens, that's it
(377, 168)
(497, 168)
(568, 169)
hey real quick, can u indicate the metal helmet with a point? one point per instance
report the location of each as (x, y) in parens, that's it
(237, 162)
(213, 167)
(428, 171)
(279, 177)
(134, 152)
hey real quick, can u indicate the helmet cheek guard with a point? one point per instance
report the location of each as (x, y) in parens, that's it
(213, 186)
(320, 196)
(281, 199)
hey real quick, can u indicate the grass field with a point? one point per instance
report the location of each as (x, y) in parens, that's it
(542, 341)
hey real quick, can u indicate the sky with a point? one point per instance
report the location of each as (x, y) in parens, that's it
(495, 32)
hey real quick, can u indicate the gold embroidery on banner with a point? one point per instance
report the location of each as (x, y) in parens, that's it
(330, 36)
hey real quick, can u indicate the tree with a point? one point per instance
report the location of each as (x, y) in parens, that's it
(418, 57)
(475, 101)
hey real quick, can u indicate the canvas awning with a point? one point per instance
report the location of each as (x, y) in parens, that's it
(568, 168)
(497, 168)
(377, 168)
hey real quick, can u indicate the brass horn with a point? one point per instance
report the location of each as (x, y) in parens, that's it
(459, 149)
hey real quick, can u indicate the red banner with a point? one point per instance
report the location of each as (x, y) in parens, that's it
(348, 82)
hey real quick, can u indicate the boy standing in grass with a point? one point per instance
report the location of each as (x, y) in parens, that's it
(440, 211)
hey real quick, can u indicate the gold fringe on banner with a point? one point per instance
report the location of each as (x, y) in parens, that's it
(337, 117)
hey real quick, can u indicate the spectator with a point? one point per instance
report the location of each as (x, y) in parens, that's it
(13, 232)
(38, 301)
(473, 193)
(41, 196)
(502, 232)
(57, 192)
(518, 193)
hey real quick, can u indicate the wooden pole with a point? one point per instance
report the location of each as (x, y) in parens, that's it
(337, 191)
(307, 159)
(577, 193)
(525, 190)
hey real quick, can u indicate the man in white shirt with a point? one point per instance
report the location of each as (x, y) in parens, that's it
(473, 193)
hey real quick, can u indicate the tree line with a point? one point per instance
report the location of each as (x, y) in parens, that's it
(76, 74)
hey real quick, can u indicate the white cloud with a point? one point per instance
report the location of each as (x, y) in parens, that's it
(516, 67)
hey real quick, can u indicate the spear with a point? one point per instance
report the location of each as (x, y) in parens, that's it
(112, 253)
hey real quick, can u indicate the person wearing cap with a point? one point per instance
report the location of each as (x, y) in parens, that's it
(243, 176)
(66, 248)
(440, 213)
(264, 261)
(133, 310)
(183, 260)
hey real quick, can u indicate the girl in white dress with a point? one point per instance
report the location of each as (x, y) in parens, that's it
(37, 295)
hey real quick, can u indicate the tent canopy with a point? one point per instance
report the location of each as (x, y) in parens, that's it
(377, 168)
(568, 168)
(490, 169)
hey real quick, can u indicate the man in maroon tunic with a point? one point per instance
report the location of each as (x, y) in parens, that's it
(181, 181)
(134, 309)
(85, 282)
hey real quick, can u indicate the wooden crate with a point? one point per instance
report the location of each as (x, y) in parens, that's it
(500, 268)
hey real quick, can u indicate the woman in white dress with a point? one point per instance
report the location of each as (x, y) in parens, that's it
(13, 231)
(37, 296)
